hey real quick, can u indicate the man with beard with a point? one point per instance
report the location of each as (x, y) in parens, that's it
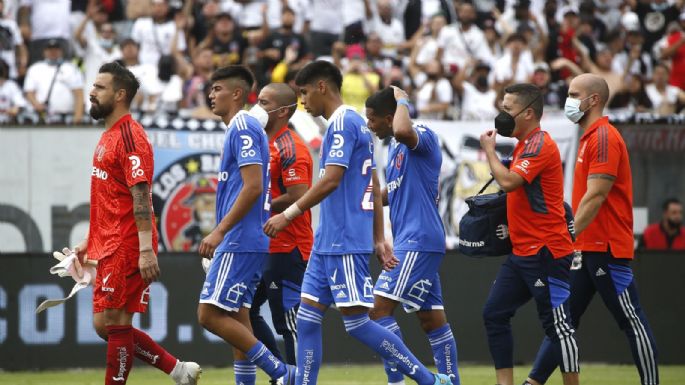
(669, 234)
(122, 236)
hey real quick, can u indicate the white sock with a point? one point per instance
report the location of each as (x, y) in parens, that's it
(174, 371)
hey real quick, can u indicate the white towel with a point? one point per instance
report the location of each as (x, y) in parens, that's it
(66, 267)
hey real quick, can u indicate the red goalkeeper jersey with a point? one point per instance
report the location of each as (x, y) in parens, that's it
(122, 159)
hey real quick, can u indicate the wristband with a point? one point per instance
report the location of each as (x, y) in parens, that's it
(293, 211)
(403, 101)
(145, 240)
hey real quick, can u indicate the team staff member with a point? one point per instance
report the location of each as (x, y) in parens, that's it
(603, 207)
(291, 170)
(539, 266)
(122, 235)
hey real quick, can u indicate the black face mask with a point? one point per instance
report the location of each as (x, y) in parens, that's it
(482, 82)
(505, 123)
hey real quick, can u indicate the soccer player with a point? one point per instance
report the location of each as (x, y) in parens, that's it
(238, 246)
(411, 191)
(603, 206)
(291, 177)
(539, 266)
(122, 235)
(351, 223)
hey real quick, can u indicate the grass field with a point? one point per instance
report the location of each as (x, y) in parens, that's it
(341, 375)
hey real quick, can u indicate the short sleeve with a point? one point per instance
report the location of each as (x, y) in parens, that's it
(534, 158)
(245, 144)
(428, 141)
(341, 142)
(135, 156)
(30, 79)
(603, 153)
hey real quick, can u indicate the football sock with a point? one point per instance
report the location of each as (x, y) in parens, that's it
(152, 353)
(394, 375)
(119, 354)
(445, 352)
(245, 372)
(308, 344)
(262, 357)
(387, 345)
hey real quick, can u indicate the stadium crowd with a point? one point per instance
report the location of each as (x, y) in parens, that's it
(454, 57)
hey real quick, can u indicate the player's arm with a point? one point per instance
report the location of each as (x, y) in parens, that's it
(142, 213)
(384, 196)
(251, 175)
(506, 179)
(291, 195)
(383, 248)
(598, 188)
(402, 128)
(324, 187)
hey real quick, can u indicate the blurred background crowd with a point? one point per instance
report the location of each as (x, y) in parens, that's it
(454, 57)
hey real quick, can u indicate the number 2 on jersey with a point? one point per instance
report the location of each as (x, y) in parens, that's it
(367, 199)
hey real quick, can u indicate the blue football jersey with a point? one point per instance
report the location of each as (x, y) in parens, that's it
(346, 215)
(412, 181)
(245, 143)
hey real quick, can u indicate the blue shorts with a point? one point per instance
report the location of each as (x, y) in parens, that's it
(232, 280)
(341, 279)
(415, 282)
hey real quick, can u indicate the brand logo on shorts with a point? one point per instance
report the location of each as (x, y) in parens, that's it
(539, 283)
(341, 294)
(104, 280)
(385, 286)
(335, 274)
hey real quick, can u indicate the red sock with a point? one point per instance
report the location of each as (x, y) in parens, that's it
(119, 354)
(151, 353)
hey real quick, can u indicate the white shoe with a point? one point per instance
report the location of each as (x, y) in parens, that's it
(186, 373)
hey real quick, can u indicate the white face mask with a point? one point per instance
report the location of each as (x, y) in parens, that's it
(572, 109)
(262, 115)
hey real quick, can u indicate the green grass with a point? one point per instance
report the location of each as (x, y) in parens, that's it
(341, 375)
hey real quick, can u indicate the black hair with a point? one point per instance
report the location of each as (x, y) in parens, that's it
(319, 70)
(4, 68)
(122, 78)
(516, 37)
(527, 95)
(383, 102)
(166, 67)
(670, 201)
(237, 72)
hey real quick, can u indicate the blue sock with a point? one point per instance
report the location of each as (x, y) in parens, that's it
(309, 350)
(387, 345)
(245, 372)
(394, 375)
(445, 352)
(262, 357)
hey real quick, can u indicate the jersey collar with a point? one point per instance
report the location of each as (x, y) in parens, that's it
(338, 111)
(122, 119)
(279, 133)
(235, 117)
(603, 121)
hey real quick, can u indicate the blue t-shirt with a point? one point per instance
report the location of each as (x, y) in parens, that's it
(346, 215)
(245, 143)
(412, 181)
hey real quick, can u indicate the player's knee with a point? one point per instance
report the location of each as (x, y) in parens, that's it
(205, 316)
(100, 328)
(377, 313)
(431, 320)
(493, 316)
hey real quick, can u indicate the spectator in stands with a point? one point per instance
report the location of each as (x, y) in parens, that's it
(426, 47)
(669, 234)
(389, 28)
(168, 86)
(42, 22)
(156, 34)
(633, 59)
(516, 65)
(54, 87)
(478, 97)
(325, 26)
(99, 47)
(194, 88)
(12, 48)
(146, 97)
(11, 98)
(601, 66)
(273, 48)
(493, 39)
(633, 96)
(663, 96)
(462, 40)
(225, 41)
(434, 92)
(673, 48)
(359, 81)
(553, 93)
(375, 58)
(655, 15)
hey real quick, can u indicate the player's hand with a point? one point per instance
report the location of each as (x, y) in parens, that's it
(488, 140)
(399, 93)
(210, 243)
(275, 224)
(148, 266)
(386, 256)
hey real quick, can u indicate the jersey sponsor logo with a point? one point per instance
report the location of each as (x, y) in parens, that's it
(395, 184)
(136, 171)
(100, 174)
(523, 166)
(390, 348)
(339, 286)
(246, 150)
(336, 148)
(291, 172)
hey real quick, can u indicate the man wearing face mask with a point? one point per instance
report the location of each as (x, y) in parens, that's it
(291, 177)
(603, 208)
(237, 246)
(539, 266)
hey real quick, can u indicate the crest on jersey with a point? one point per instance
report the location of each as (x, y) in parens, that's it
(398, 160)
(184, 199)
(100, 152)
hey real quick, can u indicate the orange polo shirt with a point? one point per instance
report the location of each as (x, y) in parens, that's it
(603, 151)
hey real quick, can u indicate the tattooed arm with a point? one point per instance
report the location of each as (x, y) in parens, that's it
(142, 212)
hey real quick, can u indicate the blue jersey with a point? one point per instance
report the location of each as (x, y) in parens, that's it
(245, 143)
(412, 182)
(346, 215)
